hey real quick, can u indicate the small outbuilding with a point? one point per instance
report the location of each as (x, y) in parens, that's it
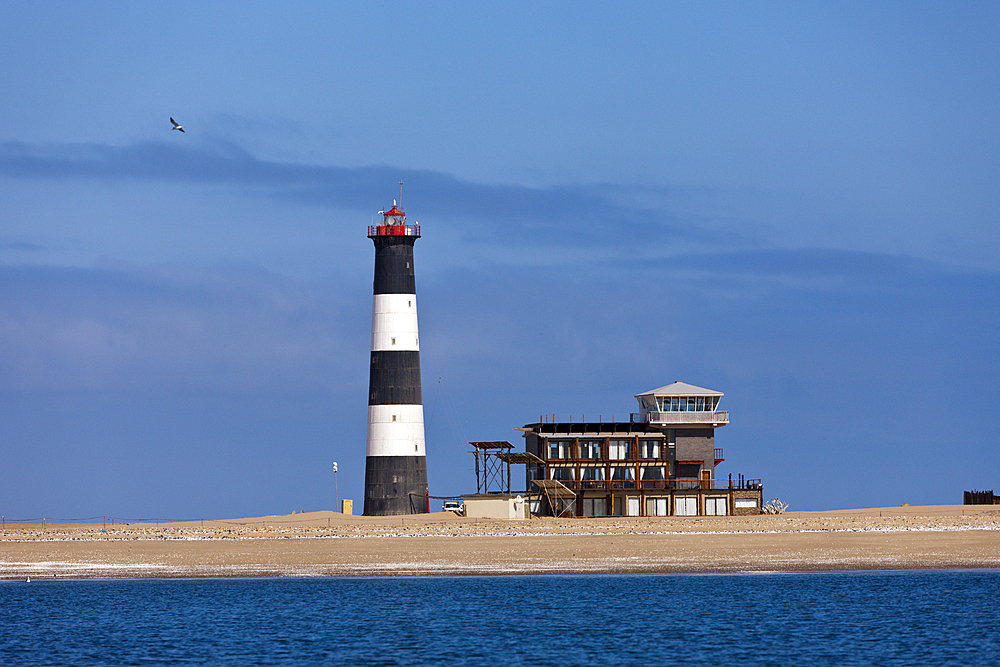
(495, 506)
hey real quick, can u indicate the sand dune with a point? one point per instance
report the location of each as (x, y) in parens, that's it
(328, 543)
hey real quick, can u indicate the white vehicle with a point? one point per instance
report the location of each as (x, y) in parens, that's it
(453, 506)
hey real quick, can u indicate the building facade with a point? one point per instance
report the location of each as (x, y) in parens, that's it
(662, 462)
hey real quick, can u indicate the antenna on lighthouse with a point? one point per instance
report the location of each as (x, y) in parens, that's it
(401, 195)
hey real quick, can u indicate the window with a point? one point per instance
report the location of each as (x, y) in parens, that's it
(559, 449)
(691, 404)
(590, 449)
(685, 506)
(592, 477)
(673, 404)
(619, 449)
(623, 477)
(689, 470)
(649, 449)
(633, 505)
(625, 505)
(657, 506)
(562, 474)
(715, 507)
(652, 477)
(595, 507)
(700, 403)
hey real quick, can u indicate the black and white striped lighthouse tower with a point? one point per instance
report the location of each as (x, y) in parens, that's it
(396, 463)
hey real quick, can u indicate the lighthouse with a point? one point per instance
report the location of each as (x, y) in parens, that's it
(396, 463)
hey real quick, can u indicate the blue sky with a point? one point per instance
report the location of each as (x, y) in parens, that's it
(793, 204)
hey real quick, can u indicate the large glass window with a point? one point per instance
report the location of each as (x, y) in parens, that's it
(715, 507)
(649, 449)
(682, 403)
(652, 477)
(590, 449)
(689, 470)
(657, 506)
(632, 505)
(623, 477)
(562, 474)
(559, 449)
(592, 477)
(595, 507)
(619, 449)
(685, 506)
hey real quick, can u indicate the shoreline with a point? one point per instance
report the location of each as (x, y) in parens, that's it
(330, 544)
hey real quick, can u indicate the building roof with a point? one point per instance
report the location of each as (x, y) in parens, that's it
(393, 211)
(492, 444)
(680, 389)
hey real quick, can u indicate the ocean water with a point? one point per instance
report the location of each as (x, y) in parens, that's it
(825, 618)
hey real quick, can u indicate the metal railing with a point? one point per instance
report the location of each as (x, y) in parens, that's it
(393, 230)
(679, 417)
(629, 457)
(661, 484)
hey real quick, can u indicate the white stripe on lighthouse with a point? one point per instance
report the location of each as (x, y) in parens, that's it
(394, 322)
(396, 430)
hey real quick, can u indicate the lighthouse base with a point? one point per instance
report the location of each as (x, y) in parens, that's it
(396, 485)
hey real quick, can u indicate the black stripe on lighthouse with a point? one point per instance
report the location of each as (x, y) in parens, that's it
(395, 378)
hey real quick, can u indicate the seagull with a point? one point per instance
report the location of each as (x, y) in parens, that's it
(176, 126)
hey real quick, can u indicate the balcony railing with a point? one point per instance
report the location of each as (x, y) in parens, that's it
(393, 230)
(679, 417)
(661, 484)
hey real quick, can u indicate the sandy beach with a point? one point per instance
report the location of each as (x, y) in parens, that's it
(332, 544)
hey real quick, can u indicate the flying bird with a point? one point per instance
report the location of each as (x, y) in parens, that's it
(176, 126)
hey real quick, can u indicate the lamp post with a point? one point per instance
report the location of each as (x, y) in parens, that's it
(335, 486)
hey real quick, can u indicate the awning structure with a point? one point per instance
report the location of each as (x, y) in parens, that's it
(562, 499)
(492, 444)
(554, 488)
(493, 460)
(519, 457)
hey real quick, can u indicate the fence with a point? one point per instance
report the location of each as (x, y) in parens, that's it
(981, 498)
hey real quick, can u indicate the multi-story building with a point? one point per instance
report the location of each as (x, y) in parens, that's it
(660, 462)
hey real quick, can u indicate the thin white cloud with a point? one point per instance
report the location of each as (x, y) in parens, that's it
(503, 215)
(174, 328)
